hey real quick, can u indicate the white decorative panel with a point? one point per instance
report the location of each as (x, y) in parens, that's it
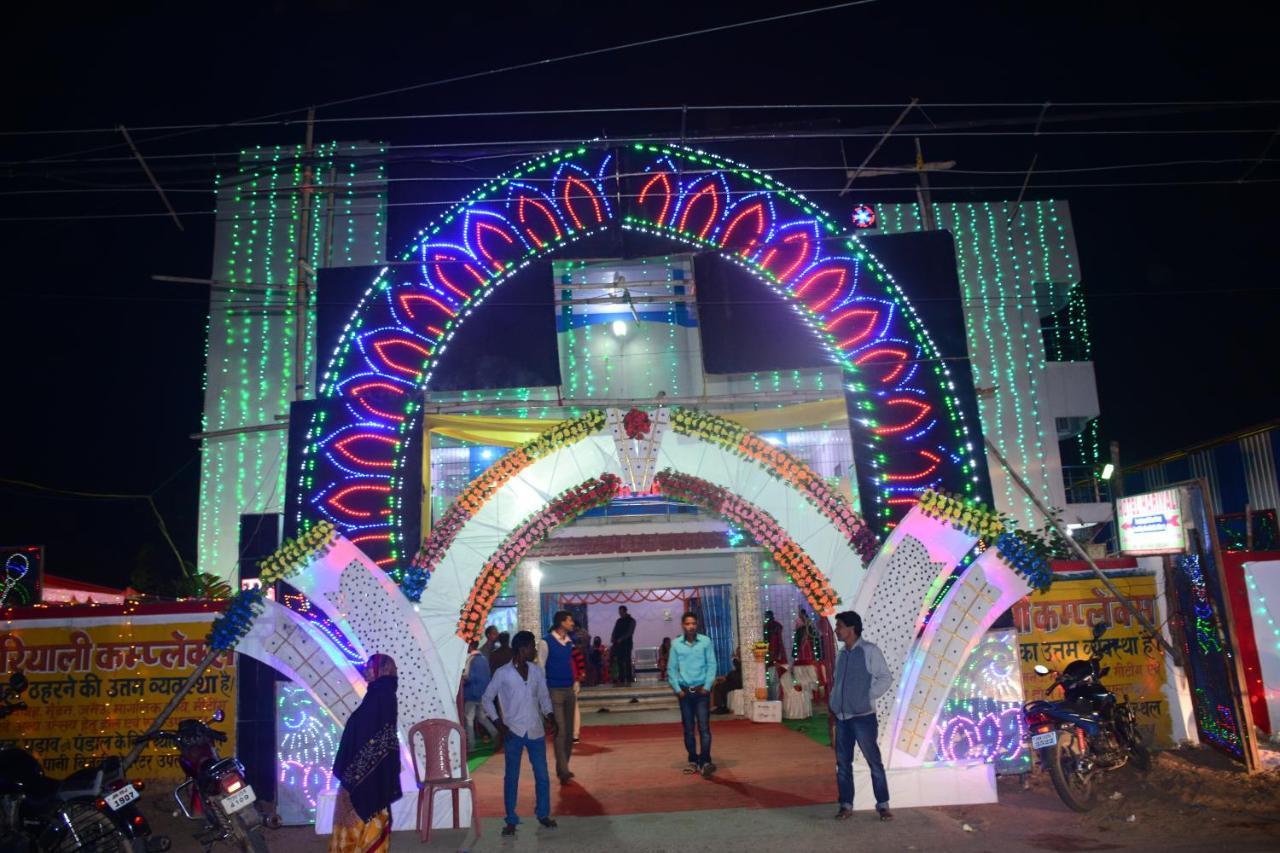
(986, 589)
(296, 648)
(892, 617)
(386, 623)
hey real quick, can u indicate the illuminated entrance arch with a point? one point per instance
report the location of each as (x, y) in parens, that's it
(907, 418)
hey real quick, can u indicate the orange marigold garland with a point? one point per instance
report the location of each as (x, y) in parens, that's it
(482, 488)
(761, 526)
(742, 442)
(563, 508)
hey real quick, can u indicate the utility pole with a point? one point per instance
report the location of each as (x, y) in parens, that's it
(302, 282)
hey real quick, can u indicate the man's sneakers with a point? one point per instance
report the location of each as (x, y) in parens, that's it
(547, 823)
(846, 813)
(703, 770)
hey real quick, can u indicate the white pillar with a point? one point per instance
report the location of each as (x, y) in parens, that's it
(750, 624)
(1177, 689)
(528, 597)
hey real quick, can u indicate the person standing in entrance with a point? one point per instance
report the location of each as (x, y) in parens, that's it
(520, 687)
(620, 645)
(861, 677)
(691, 670)
(555, 650)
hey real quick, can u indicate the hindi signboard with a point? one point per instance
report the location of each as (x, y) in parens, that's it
(1152, 523)
(1054, 628)
(97, 681)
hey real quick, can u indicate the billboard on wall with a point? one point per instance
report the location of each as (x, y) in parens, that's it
(1152, 523)
(97, 681)
(1055, 627)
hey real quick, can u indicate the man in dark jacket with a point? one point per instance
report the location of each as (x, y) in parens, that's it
(620, 645)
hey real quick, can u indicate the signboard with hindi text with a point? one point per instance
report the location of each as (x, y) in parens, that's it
(97, 681)
(1055, 627)
(1152, 523)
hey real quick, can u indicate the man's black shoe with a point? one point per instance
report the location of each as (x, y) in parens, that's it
(509, 829)
(548, 822)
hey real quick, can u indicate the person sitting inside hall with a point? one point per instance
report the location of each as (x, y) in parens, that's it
(724, 685)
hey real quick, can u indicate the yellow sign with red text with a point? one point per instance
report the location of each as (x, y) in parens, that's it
(95, 683)
(1055, 628)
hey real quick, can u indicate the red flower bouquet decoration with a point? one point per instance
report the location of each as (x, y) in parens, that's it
(637, 424)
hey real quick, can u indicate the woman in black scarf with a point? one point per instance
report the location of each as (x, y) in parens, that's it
(367, 766)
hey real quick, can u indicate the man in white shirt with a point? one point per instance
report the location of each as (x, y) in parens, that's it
(861, 677)
(521, 688)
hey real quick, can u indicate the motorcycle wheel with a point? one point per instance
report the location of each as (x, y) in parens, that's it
(1139, 755)
(94, 830)
(250, 839)
(1074, 790)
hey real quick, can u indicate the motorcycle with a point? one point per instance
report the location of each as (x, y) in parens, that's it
(93, 809)
(215, 790)
(1087, 732)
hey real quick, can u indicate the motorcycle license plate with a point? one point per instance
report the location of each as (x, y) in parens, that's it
(239, 800)
(1045, 740)
(120, 798)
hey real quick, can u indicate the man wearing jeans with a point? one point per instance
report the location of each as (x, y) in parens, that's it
(521, 689)
(862, 677)
(556, 653)
(691, 670)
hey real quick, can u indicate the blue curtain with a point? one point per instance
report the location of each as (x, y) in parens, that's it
(716, 608)
(550, 604)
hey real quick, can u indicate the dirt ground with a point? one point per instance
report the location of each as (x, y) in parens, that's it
(1192, 800)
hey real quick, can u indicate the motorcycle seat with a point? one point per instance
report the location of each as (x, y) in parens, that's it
(86, 782)
(1082, 709)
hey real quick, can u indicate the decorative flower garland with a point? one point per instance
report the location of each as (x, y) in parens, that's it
(760, 526)
(566, 506)
(973, 518)
(231, 626)
(1023, 560)
(291, 556)
(477, 494)
(637, 423)
(234, 622)
(742, 442)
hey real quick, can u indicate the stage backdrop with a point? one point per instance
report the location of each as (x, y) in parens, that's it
(1054, 629)
(102, 675)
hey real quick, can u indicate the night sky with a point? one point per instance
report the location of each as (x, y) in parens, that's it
(103, 366)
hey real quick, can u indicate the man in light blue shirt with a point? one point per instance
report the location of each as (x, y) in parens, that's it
(691, 670)
(521, 689)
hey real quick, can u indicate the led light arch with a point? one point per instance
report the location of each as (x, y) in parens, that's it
(907, 414)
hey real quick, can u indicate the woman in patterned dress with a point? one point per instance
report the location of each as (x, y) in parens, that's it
(367, 766)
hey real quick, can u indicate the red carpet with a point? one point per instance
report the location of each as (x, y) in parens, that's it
(636, 769)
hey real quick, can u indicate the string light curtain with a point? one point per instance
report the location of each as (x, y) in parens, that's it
(715, 609)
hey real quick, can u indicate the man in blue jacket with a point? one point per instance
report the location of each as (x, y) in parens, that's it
(691, 670)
